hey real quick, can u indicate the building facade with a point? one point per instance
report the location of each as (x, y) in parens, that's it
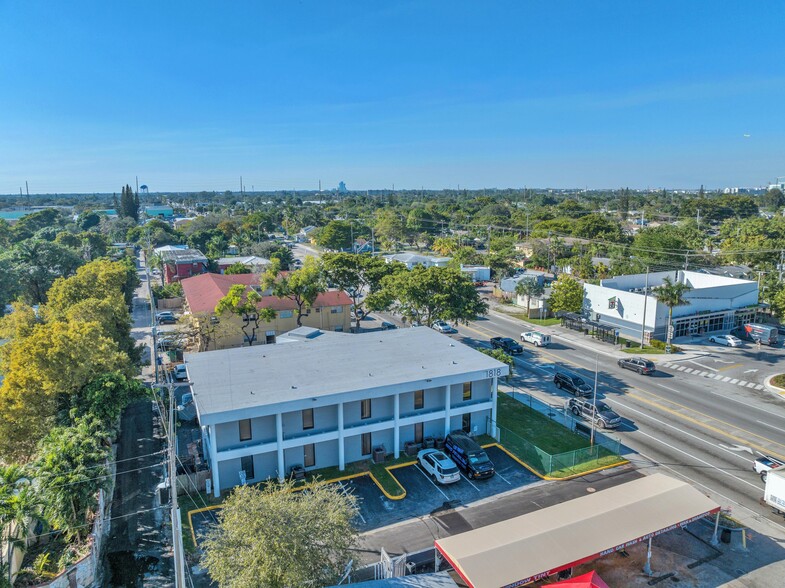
(331, 311)
(716, 303)
(180, 264)
(328, 399)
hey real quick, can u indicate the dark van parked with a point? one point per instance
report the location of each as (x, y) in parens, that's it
(766, 334)
(468, 456)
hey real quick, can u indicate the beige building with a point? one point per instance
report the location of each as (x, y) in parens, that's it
(331, 311)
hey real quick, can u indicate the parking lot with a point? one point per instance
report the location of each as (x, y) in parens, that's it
(423, 495)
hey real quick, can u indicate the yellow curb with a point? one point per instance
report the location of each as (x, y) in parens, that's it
(388, 468)
(551, 478)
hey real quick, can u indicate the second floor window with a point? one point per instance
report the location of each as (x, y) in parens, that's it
(286, 313)
(245, 430)
(419, 399)
(365, 409)
(307, 419)
(467, 390)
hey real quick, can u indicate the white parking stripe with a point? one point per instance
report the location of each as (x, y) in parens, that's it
(503, 478)
(470, 482)
(427, 477)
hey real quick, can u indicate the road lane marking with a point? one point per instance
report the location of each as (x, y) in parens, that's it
(772, 426)
(730, 367)
(716, 430)
(696, 458)
(427, 477)
(705, 367)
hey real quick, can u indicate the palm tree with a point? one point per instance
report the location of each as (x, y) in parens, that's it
(671, 294)
(19, 506)
(529, 288)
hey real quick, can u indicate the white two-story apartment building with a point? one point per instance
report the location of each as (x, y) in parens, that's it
(327, 399)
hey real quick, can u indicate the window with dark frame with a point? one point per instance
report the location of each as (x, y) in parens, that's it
(365, 409)
(307, 419)
(309, 455)
(467, 390)
(246, 463)
(366, 442)
(245, 429)
(418, 432)
(419, 399)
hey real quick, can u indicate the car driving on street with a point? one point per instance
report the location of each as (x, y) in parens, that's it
(602, 414)
(443, 327)
(572, 384)
(637, 364)
(507, 345)
(438, 465)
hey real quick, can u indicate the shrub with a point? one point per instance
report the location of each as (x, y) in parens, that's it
(657, 344)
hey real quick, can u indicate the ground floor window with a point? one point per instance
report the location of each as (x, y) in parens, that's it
(366, 442)
(309, 455)
(418, 432)
(246, 464)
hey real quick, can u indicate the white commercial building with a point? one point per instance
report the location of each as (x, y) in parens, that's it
(716, 303)
(322, 399)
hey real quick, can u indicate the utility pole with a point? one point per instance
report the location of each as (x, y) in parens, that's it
(373, 243)
(594, 403)
(782, 263)
(177, 535)
(686, 261)
(698, 218)
(489, 239)
(645, 300)
(27, 189)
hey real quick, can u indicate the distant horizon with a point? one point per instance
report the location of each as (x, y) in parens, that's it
(436, 94)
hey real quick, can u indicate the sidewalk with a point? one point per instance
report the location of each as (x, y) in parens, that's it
(588, 343)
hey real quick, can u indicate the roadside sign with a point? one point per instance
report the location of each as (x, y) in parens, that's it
(668, 348)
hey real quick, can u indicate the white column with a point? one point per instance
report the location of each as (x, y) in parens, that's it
(397, 434)
(447, 415)
(494, 400)
(214, 462)
(341, 456)
(279, 439)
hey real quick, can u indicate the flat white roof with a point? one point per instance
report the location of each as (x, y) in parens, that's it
(530, 547)
(330, 363)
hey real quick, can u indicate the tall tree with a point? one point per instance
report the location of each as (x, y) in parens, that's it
(277, 538)
(427, 295)
(567, 295)
(243, 302)
(530, 289)
(38, 264)
(335, 236)
(301, 286)
(358, 276)
(671, 294)
(129, 203)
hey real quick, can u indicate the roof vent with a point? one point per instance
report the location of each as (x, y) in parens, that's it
(294, 387)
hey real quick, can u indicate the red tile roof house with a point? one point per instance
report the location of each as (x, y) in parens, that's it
(180, 264)
(331, 311)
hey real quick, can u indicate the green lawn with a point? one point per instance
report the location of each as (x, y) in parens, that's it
(545, 445)
(548, 322)
(778, 380)
(636, 350)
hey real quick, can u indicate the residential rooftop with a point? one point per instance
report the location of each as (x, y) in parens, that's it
(313, 366)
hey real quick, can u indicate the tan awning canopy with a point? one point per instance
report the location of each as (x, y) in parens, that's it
(533, 546)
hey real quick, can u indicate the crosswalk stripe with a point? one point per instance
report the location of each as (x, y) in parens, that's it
(752, 385)
(734, 381)
(681, 368)
(687, 370)
(704, 374)
(718, 376)
(726, 379)
(759, 386)
(742, 382)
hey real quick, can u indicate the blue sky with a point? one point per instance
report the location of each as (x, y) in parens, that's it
(191, 95)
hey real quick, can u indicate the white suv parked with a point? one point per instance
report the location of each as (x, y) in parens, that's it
(437, 464)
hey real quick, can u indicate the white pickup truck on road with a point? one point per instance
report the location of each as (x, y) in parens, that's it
(766, 463)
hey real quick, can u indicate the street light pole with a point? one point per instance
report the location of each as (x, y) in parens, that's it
(645, 300)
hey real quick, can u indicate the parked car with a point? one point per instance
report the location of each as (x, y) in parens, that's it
(572, 384)
(468, 455)
(441, 467)
(187, 400)
(166, 317)
(179, 372)
(507, 345)
(443, 327)
(603, 415)
(727, 340)
(536, 338)
(637, 364)
(387, 326)
(168, 343)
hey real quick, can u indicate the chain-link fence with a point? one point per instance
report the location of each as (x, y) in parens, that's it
(605, 450)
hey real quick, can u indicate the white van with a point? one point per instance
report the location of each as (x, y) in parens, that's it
(536, 338)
